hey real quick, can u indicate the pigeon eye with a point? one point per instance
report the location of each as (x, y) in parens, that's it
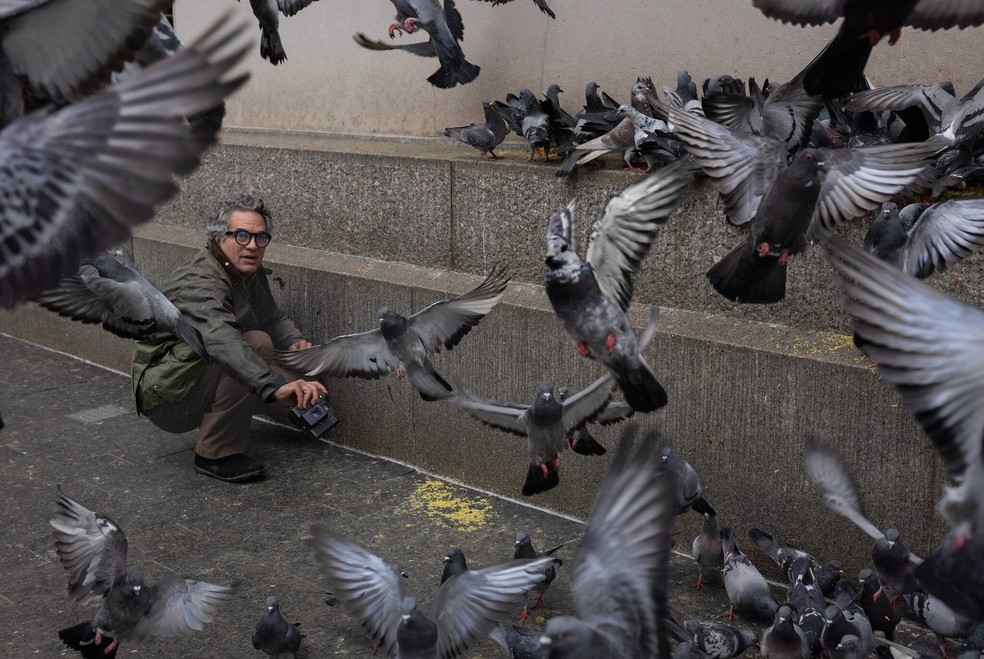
(808, 157)
(563, 248)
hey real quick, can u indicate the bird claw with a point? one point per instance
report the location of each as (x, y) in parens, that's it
(894, 36)
(524, 615)
(582, 349)
(610, 343)
(763, 250)
(394, 28)
(537, 601)
(783, 257)
(401, 372)
(110, 647)
(731, 613)
(544, 469)
(874, 36)
(699, 585)
(410, 25)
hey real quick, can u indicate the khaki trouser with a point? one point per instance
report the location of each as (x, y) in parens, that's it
(220, 407)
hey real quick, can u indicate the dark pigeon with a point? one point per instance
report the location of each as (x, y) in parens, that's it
(709, 554)
(590, 297)
(580, 439)
(541, 4)
(619, 576)
(108, 292)
(690, 494)
(883, 614)
(402, 344)
(98, 167)
(454, 564)
(484, 137)
(92, 549)
(893, 566)
(954, 573)
(526, 117)
(465, 608)
(524, 549)
(784, 639)
(841, 624)
(445, 28)
(747, 589)
(274, 635)
(782, 554)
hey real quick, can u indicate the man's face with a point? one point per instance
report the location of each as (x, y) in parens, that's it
(246, 258)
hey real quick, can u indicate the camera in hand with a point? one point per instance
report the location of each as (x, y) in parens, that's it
(316, 418)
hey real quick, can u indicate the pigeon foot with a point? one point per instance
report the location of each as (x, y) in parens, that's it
(537, 601)
(783, 257)
(638, 170)
(545, 469)
(112, 646)
(894, 36)
(556, 464)
(524, 615)
(610, 343)
(410, 25)
(394, 28)
(731, 613)
(401, 372)
(582, 349)
(874, 36)
(699, 584)
(763, 250)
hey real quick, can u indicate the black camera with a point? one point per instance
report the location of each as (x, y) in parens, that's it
(317, 419)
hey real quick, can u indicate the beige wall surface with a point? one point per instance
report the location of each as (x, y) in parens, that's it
(331, 84)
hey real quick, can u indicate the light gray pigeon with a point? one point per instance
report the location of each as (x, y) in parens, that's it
(465, 608)
(690, 494)
(719, 641)
(92, 549)
(266, 12)
(108, 292)
(936, 615)
(401, 344)
(85, 41)
(590, 297)
(541, 4)
(274, 635)
(922, 239)
(76, 181)
(484, 137)
(620, 572)
(747, 589)
(445, 28)
(545, 423)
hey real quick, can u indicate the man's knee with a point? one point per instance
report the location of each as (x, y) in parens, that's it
(259, 341)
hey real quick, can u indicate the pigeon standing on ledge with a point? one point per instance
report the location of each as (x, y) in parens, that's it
(484, 137)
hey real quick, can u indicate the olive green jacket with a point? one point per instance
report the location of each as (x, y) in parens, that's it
(221, 304)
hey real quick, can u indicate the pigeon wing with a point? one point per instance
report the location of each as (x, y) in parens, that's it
(469, 606)
(369, 588)
(840, 492)
(421, 49)
(443, 324)
(929, 346)
(944, 234)
(363, 355)
(624, 233)
(510, 417)
(91, 548)
(798, 12)
(180, 607)
(932, 100)
(945, 14)
(291, 7)
(121, 307)
(587, 403)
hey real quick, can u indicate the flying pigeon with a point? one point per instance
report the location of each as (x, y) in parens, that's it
(524, 549)
(445, 28)
(747, 589)
(76, 181)
(841, 65)
(708, 553)
(541, 4)
(266, 12)
(465, 608)
(619, 573)
(108, 292)
(590, 297)
(545, 423)
(92, 549)
(484, 137)
(922, 239)
(274, 635)
(784, 639)
(580, 439)
(689, 492)
(401, 344)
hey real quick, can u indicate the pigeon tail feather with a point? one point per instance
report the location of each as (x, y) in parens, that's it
(642, 390)
(743, 276)
(586, 444)
(82, 637)
(446, 78)
(536, 482)
(839, 68)
(271, 48)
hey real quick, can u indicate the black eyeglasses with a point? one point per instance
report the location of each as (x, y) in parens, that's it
(243, 237)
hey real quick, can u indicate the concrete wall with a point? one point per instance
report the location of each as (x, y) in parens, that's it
(331, 84)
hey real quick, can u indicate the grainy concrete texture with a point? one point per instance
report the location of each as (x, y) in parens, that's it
(69, 424)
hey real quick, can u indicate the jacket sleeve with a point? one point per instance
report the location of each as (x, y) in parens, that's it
(207, 298)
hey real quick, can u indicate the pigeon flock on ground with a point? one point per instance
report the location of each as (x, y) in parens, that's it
(792, 161)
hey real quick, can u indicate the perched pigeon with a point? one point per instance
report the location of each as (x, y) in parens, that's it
(841, 64)
(620, 572)
(719, 641)
(108, 292)
(620, 138)
(92, 549)
(545, 424)
(96, 168)
(484, 137)
(590, 297)
(784, 639)
(893, 566)
(524, 549)
(541, 4)
(804, 594)
(883, 614)
(923, 238)
(525, 116)
(266, 12)
(684, 97)
(274, 635)
(445, 28)
(785, 556)
(464, 609)
(747, 589)
(401, 344)
(839, 626)
(708, 553)
(689, 492)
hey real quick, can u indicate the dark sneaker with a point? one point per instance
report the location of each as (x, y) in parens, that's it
(234, 468)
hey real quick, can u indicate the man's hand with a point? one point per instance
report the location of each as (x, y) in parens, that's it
(300, 344)
(301, 393)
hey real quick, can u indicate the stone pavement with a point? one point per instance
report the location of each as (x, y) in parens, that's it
(70, 424)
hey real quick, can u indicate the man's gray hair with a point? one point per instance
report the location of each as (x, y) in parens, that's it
(219, 223)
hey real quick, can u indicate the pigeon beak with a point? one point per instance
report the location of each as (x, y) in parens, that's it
(821, 164)
(545, 640)
(447, 558)
(406, 616)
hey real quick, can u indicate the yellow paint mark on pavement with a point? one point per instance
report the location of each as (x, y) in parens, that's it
(439, 502)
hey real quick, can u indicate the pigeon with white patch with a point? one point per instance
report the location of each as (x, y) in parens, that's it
(108, 292)
(619, 575)
(590, 297)
(484, 137)
(465, 608)
(92, 549)
(402, 344)
(274, 635)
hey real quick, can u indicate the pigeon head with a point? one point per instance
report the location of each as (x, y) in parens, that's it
(809, 161)
(888, 208)
(272, 604)
(749, 636)
(454, 554)
(415, 629)
(560, 237)
(134, 580)
(546, 389)
(553, 90)
(562, 393)
(783, 614)
(832, 614)
(892, 536)
(849, 643)
(521, 537)
(392, 324)
(565, 635)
